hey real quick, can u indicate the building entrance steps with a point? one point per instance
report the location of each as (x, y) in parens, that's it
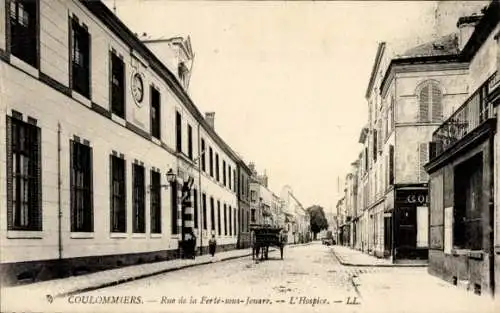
(350, 257)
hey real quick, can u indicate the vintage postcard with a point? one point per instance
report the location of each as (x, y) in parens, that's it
(249, 156)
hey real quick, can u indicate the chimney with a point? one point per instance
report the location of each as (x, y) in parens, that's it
(466, 26)
(210, 117)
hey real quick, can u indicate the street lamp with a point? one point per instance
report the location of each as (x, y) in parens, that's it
(171, 177)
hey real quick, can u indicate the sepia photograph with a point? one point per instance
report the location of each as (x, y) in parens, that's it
(249, 156)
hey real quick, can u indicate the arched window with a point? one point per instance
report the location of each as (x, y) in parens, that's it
(430, 103)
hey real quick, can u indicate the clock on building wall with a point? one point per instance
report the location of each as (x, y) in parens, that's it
(137, 86)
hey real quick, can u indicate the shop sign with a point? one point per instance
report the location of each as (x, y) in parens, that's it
(417, 197)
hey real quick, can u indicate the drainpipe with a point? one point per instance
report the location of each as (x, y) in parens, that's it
(59, 213)
(200, 203)
(491, 220)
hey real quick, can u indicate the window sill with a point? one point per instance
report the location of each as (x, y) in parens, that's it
(139, 235)
(25, 67)
(156, 140)
(82, 99)
(81, 235)
(118, 119)
(118, 235)
(155, 235)
(473, 254)
(22, 234)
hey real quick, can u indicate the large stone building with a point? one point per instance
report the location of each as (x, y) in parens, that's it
(463, 168)
(103, 146)
(244, 174)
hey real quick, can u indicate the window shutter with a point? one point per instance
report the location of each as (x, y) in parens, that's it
(91, 188)
(111, 219)
(424, 104)
(437, 108)
(423, 159)
(10, 182)
(36, 212)
(381, 136)
(391, 164)
(124, 186)
(72, 186)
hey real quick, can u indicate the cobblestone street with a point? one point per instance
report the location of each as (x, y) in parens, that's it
(308, 279)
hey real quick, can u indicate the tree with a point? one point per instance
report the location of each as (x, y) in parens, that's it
(318, 220)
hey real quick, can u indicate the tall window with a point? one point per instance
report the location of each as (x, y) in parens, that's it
(195, 207)
(212, 214)
(24, 205)
(225, 220)
(253, 195)
(117, 85)
(178, 132)
(468, 204)
(174, 199)
(236, 216)
(230, 220)
(155, 113)
(217, 167)
(219, 230)
(23, 30)
(391, 165)
(375, 145)
(211, 161)
(118, 196)
(203, 160)
(229, 178)
(224, 173)
(204, 205)
(138, 196)
(423, 158)
(430, 103)
(81, 188)
(248, 219)
(80, 58)
(155, 202)
(190, 142)
(234, 182)
(253, 215)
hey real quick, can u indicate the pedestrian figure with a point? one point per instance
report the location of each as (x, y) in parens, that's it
(192, 245)
(212, 245)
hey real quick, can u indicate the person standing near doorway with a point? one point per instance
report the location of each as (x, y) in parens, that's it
(212, 245)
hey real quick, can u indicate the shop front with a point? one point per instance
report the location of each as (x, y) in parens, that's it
(409, 223)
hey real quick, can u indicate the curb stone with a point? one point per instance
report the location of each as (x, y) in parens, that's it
(339, 259)
(146, 275)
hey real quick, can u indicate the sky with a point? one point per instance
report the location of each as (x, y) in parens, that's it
(286, 80)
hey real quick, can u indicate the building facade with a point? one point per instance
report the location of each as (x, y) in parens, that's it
(463, 168)
(244, 178)
(126, 189)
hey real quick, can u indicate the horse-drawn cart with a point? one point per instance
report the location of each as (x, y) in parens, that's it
(265, 236)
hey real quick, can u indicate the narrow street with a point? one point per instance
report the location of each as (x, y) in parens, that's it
(308, 279)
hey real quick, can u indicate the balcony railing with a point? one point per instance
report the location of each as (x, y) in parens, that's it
(472, 113)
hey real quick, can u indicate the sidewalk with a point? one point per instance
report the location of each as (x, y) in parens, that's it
(413, 290)
(350, 257)
(77, 284)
